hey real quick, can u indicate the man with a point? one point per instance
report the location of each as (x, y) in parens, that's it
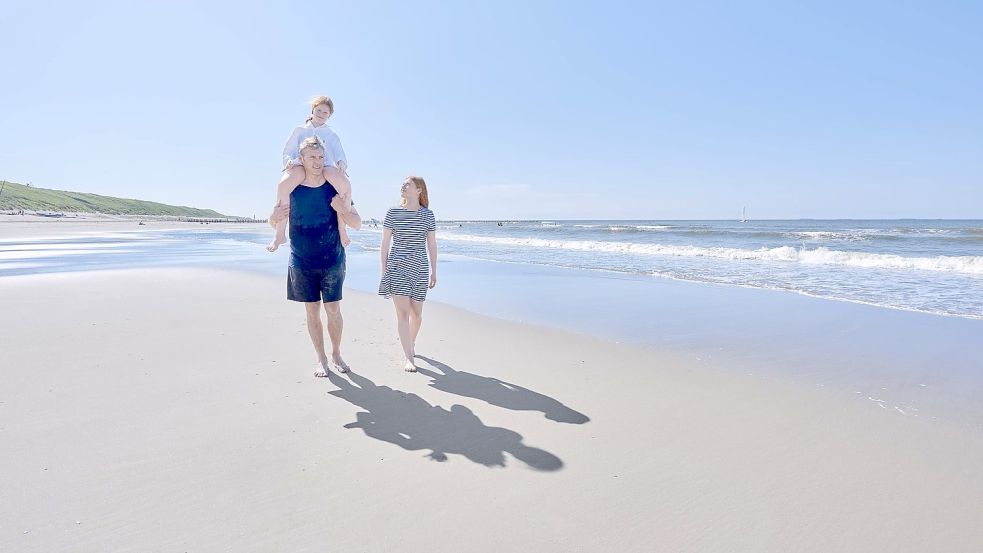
(316, 272)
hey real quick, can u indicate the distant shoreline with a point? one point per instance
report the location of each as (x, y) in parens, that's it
(29, 216)
(19, 199)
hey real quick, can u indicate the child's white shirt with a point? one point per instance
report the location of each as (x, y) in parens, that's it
(333, 152)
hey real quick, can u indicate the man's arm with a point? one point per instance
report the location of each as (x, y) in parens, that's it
(346, 212)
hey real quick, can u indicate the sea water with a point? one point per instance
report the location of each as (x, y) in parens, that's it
(928, 266)
(893, 317)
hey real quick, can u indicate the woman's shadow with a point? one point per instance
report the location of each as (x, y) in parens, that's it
(498, 392)
(408, 421)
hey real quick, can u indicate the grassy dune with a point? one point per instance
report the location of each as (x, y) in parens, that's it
(29, 198)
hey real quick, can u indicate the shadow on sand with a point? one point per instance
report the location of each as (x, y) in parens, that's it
(498, 392)
(408, 421)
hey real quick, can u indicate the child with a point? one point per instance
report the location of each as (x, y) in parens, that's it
(322, 108)
(334, 156)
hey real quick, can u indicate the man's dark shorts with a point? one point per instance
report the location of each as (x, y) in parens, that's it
(308, 285)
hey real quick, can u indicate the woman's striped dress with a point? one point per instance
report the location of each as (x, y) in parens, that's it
(407, 269)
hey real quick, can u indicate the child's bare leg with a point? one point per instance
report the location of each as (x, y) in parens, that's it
(343, 233)
(340, 182)
(280, 238)
(283, 198)
(342, 228)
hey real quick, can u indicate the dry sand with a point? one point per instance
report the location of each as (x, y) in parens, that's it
(175, 410)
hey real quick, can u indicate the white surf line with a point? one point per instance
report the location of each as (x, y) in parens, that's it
(878, 402)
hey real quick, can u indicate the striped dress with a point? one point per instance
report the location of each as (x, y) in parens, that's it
(407, 269)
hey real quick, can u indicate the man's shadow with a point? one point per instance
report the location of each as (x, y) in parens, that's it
(408, 421)
(498, 392)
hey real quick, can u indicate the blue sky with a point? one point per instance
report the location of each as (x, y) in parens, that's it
(509, 110)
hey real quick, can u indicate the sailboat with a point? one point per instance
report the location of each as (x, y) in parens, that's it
(744, 214)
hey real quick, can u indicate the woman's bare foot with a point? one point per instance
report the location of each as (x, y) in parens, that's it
(321, 369)
(409, 366)
(339, 363)
(276, 243)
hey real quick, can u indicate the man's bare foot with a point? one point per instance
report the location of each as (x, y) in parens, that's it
(339, 363)
(276, 243)
(321, 370)
(409, 366)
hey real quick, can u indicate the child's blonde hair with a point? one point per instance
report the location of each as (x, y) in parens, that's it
(424, 198)
(320, 101)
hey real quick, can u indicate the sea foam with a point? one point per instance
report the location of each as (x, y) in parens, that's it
(972, 265)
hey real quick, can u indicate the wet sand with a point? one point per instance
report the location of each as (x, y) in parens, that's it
(175, 410)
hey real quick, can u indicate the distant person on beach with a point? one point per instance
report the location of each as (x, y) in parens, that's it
(334, 156)
(409, 267)
(316, 272)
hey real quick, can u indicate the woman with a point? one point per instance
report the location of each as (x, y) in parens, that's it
(406, 273)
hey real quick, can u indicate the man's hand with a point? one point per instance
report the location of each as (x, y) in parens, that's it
(340, 203)
(343, 167)
(280, 213)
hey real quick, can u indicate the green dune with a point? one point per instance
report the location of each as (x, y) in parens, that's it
(29, 198)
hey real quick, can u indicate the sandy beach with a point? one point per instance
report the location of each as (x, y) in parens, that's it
(707, 277)
(175, 410)
(698, 277)
(35, 226)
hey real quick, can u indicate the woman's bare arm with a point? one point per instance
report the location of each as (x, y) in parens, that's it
(387, 239)
(432, 251)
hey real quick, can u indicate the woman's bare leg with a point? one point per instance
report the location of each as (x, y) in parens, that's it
(403, 310)
(416, 319)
